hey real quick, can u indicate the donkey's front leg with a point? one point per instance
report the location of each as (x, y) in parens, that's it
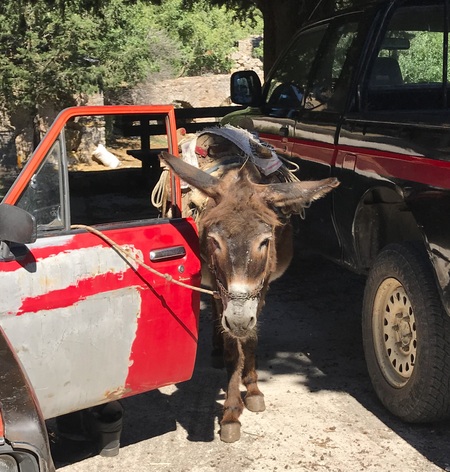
(254, 399)
(217, 354)
(230, 427)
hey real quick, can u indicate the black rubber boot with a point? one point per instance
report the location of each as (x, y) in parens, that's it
(107, 428)
(101, 424)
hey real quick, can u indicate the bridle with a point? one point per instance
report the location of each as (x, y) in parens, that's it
(224, 293)
(253, 295)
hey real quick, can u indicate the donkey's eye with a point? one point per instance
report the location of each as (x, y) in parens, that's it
(215, 245)
(264, 243)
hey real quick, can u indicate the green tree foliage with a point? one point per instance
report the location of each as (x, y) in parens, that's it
(48, 54)
(206, 33)
(422, 62)
(52, 51)
(281, 18)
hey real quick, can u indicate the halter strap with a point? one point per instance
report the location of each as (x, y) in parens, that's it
(244, 297)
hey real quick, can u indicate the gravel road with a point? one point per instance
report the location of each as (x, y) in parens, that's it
(321, 411)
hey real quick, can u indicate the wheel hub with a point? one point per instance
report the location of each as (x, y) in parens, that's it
(394, 332)
(403, 332)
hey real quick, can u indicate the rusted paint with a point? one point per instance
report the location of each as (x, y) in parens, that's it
(116, 394)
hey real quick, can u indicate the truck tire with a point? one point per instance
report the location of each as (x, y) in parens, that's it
(406, 335)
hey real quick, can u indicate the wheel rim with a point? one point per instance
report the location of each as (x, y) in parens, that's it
(394, 331)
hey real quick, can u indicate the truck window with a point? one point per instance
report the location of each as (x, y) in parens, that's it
(328, 85)
(101, 169)
(43, 197)
(408, 69)
(112, 168)
(310, 75)
(287, 84)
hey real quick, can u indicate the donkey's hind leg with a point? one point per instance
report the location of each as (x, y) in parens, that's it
(254, 399)
(230, 427)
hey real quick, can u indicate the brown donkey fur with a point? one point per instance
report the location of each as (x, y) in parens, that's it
(245, 242)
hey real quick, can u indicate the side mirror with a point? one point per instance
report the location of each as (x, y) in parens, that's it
(245, 88)
(17, 226)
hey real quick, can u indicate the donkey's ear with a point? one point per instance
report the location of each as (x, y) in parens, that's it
(195, 177)
(300, 194)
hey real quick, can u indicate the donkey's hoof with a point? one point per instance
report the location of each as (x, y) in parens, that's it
(230, 432)
(255, 403)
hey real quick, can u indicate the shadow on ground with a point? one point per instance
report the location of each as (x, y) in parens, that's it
(310, 325)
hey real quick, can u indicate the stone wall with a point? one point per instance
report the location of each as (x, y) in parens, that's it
(243, 57)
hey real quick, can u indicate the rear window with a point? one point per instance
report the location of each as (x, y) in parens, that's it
(410, 68)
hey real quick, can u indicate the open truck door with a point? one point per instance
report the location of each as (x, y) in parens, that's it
(83, 302)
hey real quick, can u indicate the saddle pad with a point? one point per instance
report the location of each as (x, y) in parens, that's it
(261, 154)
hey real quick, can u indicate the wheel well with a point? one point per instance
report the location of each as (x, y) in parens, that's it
(382, 217)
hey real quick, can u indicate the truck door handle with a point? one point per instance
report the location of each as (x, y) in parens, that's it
(174, 252)
(284, 131)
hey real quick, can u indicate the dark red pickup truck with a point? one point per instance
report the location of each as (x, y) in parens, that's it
(364, 96)
(88, 312)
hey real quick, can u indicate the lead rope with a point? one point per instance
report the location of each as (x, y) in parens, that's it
(127, 254)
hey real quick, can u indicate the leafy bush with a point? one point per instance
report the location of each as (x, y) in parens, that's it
(422, 62)
(52, 51)
(206, 34)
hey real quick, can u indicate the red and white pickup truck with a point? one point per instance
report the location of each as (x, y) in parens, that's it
(85, 319)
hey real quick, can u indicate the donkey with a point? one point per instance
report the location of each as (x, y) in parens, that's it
(245, 243)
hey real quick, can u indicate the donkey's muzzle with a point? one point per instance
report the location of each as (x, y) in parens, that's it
(239, 317)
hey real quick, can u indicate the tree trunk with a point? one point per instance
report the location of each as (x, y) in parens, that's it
(30, 127)
(282, 19)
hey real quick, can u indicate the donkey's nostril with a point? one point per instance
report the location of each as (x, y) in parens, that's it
(251, 323)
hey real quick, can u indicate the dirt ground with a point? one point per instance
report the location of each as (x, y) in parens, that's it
(321, 411)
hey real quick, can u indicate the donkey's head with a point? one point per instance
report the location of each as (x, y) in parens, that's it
(240, 234)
